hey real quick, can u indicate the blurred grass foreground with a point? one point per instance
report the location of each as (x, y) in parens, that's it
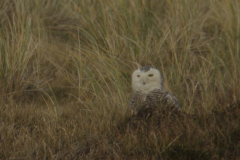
(65, 78)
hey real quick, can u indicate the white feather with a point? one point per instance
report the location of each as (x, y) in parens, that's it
(144, 83)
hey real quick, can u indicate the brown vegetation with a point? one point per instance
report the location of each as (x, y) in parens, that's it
(65, 78)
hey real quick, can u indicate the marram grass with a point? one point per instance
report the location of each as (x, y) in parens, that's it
(65, 78)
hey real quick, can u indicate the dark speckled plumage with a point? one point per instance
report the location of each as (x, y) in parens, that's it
(154, 99)
(145, 68)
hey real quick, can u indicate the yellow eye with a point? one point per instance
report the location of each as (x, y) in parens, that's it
(138, 75)
(150, 75)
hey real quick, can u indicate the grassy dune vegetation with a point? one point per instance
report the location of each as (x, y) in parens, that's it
(65, 78)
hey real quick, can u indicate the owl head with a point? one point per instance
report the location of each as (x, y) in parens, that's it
(146, 79)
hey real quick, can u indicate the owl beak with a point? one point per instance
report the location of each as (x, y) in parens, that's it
(143, 83)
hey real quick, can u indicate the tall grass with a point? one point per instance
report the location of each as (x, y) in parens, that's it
(65, 78)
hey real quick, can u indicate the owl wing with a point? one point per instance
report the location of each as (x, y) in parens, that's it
(164, 98)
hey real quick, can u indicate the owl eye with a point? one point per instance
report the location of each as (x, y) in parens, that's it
(138, 75)
(150, 75)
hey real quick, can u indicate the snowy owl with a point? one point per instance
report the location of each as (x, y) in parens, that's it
(149, 92)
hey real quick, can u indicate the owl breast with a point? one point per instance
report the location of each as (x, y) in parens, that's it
(157, 98)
